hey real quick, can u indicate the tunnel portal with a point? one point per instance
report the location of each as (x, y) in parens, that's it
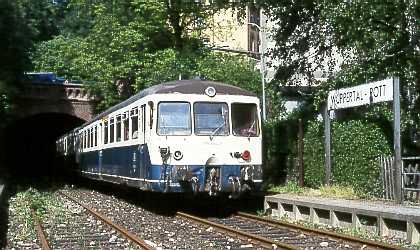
(28, 144)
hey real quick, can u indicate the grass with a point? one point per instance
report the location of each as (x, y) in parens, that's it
(43, 202)
(333, 191)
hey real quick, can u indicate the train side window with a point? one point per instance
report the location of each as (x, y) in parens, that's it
(84, 139)
(151, 114)
(134, 123)
(125, 125)
(105, 132)
(143, 117)
(111, 130)
(95, 137)
(91, 137)
(118, 128)
(89, 134)
(88, 138)
(81, 140)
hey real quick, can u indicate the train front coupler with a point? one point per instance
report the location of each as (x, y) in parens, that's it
(236, 186)
(213, 183)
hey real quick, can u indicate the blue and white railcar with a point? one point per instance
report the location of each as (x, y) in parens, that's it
(180, 136)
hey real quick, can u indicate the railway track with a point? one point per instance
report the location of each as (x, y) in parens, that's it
(368, 244)
(42, 238)
(88, 230)
(148, 230)
(275, 234)
(165, 231)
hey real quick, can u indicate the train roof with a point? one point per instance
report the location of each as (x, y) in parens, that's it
(180, 87)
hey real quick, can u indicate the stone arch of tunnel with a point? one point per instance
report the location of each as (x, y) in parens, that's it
(28, 144)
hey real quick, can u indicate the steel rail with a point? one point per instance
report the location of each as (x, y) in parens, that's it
(119, 228)
(40, 232)
(256, 239)
(368, 243)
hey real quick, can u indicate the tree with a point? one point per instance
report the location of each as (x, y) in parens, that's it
(14, 45)
(22, 23)
(317, 35)
(134, 41)
(350, 42)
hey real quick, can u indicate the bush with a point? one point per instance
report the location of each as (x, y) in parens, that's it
(278, 138)
(355, 147)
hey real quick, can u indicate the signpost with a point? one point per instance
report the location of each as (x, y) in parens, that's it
(374, 92)
(380, 91)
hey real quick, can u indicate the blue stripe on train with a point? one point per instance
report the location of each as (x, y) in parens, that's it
(134, 162)
(131, 161)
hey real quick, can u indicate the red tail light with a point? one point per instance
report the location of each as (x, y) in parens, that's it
(246, 155)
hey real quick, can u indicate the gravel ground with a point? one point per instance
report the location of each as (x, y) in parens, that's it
(67, 225)
(285, 235)
(21, 233)
(160, 231)
(75, 228)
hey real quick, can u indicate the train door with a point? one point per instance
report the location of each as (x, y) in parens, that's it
(99, 137)
(143, 124)
(144, 166)
(134, 170)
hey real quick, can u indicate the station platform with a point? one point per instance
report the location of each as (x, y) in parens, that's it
(384, 218)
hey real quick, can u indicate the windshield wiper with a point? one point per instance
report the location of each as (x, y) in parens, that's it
(217, 129)
(250, 128)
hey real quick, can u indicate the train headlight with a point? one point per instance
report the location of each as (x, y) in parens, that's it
(178, 155)
(210, 91)
(246, 155)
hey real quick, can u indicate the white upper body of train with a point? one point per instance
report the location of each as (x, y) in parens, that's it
(200, 127)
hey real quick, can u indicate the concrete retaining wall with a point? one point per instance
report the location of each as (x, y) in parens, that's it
(382, 218)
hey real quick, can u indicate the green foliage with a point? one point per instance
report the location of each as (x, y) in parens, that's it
(349, 43)
(338, 191)
(46, 204)
(21, 23)
(290, 187)
(355, 147)
(333, 191)
(135, 41)
(278, 142)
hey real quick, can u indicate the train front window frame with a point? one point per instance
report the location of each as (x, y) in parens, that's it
(211, 119)
(174, 118)
(244, 117)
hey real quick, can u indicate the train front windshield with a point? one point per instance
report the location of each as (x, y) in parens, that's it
(245, 119)
(174, 118)
(211, 118)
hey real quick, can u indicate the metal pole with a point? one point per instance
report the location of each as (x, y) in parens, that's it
(262, 68)
(397, 142)
(300, 155)
(263, 74)
(327, 129)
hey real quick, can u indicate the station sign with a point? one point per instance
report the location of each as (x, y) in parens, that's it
(374, 92)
